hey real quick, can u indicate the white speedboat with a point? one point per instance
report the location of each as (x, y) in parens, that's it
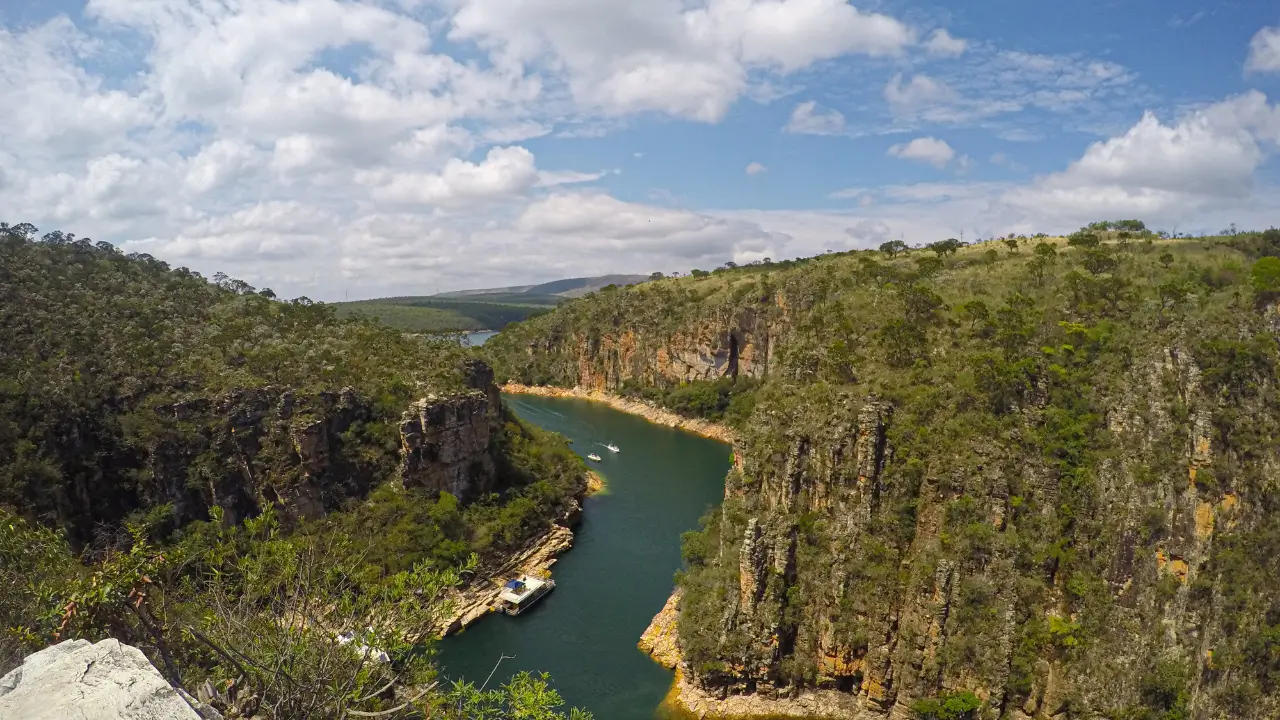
(612, 447)
(594, 457)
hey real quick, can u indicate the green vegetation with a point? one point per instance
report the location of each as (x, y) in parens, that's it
(955, 706)
(210, 474)
(438, 315)
(972, 470)
(725, 400)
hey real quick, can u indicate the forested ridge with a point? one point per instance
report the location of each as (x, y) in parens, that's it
(1030, 478)
(228, 481)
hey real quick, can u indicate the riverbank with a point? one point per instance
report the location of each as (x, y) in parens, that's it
(646, 410)
(479, 597)
(661, 641)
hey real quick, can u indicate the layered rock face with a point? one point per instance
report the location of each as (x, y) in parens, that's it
(102, 681)
(1030, 486)
(716, 342)
(818, 590)
(446, 445)
(304, 454)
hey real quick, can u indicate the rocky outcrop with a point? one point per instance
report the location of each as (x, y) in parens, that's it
(731, 337)
(648, 411)
(304, 454)
(661, 640)
(819, 585)
(446, 445)
(87, 681)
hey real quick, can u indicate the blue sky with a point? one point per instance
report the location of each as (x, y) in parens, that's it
(387, 147)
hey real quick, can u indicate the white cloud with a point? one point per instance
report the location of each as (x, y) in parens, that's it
(1207, 158)
(688, 60)
(552, 178)
(219, 163)
(1264, 51)
(595, 221)
(270, 232)
(807, 119)
(756, 168)
(918, 93)
(924, 149)
(504, 172)
(319, 146)
(941, 44)
(986, 83)
(792, 34)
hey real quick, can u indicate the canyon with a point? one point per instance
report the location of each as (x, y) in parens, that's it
(1048, 526)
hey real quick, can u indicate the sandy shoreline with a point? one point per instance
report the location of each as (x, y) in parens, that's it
(646, 410)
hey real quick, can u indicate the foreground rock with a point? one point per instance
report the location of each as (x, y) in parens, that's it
(102, 681)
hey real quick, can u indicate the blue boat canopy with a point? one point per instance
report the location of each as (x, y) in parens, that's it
(515, 585)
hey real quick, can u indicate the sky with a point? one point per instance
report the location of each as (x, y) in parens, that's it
(387, 147)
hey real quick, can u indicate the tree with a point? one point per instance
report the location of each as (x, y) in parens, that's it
(1166, 259)
(1012, 243)
(1098, 260)
(1083, 238)
(928, 266)
(1046, 250)
(893, 248)
(1038, 267)
(656, 276)
(1265, 275)
(952, 706)
(976, 312)
(945, 247)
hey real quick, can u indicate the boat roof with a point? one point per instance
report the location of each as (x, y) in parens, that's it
(519, 590)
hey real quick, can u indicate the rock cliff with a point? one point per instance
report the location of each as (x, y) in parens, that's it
(1035, 493)
(304, 453)
(102, 681)
(734, 337)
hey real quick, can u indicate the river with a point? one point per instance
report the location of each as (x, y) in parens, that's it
(619, 573)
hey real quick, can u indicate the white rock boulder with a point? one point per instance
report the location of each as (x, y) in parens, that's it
(87, 681)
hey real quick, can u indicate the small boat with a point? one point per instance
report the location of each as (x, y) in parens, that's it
(594, 457)
(518, 594)
(612, 447)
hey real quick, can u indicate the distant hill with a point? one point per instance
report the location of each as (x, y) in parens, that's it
(485, 309)
(432, 314)
(560, 289)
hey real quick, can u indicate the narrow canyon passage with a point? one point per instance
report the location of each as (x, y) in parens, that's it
(619, 573)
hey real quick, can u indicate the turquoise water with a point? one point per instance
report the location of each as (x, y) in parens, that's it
(476, 339)
(619, 573)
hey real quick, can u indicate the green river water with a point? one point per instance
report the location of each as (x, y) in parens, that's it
(619, 572)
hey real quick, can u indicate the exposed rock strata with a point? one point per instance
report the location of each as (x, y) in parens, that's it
(661, 640)
(305, 454)
(445, 445)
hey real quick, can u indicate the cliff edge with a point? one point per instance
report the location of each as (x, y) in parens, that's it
(93, 681)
